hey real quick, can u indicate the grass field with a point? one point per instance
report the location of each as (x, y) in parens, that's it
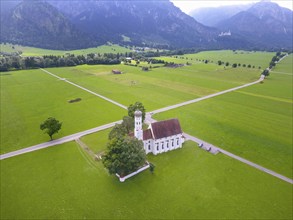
(32, 51)
(159, 87)
(22, 109)
(63, 183)
(257, 59)
(29, 97)
(255, 122)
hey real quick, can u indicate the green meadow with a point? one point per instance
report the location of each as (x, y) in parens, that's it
(254, 58)
(29, 97)
(159, 87)
(62, 182)
(32, 51)
(254, 123)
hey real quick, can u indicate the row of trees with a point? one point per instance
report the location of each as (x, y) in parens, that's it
(17, 62)
(276, 59)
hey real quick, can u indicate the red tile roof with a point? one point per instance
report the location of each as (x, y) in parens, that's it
(166, 128)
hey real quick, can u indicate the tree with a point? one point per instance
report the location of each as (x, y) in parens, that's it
(234, 65)
(51, 126)
(227, 64)
(124, 155)
(266, 72)
(117, 131)
(136, 106)
(128, 124)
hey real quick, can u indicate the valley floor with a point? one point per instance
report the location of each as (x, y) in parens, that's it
(185, 184)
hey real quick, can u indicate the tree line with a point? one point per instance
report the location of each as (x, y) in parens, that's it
(13, 62)
(273, 63)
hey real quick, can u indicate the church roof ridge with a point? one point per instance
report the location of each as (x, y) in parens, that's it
(166, 128)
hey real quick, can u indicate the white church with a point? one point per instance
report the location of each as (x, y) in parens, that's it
(160, 136)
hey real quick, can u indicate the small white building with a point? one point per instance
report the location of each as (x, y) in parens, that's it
(160, 136)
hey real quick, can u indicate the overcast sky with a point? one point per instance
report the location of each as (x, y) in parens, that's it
(188, 5)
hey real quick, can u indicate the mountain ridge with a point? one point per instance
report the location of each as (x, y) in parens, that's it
(66, 25)
(265, 23)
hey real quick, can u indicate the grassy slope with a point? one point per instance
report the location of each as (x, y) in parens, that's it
(61, 182)
(255, 122)
(29, 97)
(32, 51)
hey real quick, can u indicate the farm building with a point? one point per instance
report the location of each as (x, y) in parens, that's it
(116, 71)
(160, 136)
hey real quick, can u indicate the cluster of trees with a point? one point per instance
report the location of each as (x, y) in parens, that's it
(125, 154)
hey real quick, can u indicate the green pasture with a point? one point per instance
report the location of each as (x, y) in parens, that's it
(253, 58)
(254, 123)
(97, 141)
(159, 87)
(31, 96)
(63, 183)
(32, 51)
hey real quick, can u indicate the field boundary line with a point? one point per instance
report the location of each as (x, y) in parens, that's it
(213, 148)
(59, 141)
(267, 97)
(85, 89)
(289, 74)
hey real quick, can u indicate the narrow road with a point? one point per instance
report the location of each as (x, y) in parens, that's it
(206, 97)
(58, 141)
(96, 94)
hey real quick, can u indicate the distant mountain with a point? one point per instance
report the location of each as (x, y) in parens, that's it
(211, 16)
(265, 23)
(85, 23)
(144, 22)
(37, 23)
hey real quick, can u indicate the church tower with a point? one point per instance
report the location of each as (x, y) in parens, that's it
(138, 125)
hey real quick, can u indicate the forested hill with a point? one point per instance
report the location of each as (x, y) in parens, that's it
(80, 24)
(39, 24)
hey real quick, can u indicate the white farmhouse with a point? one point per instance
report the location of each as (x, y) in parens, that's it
(160, 136)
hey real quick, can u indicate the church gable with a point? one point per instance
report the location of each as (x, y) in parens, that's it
(163, 129)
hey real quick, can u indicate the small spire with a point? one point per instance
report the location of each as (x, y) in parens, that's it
(137, 113)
